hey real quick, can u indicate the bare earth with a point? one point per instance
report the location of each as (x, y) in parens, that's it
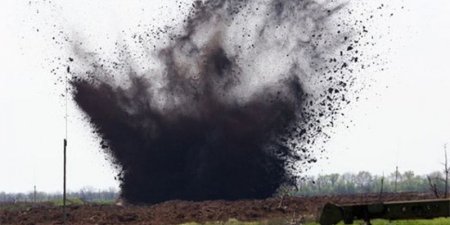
(177, 212)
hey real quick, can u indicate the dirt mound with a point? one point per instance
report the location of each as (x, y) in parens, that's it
(177, 212)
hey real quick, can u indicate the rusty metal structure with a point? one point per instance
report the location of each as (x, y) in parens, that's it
(399, 210)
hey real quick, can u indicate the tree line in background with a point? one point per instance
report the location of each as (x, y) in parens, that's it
(330, 184)
(84, 195)
(365, 182)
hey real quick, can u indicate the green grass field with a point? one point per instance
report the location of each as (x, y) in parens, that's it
(441, 221)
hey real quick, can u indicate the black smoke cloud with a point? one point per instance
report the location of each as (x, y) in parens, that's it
(229, 109)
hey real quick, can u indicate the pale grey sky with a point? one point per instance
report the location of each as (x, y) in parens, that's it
(402, 119)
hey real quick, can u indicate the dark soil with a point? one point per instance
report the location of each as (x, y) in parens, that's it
(177, 212)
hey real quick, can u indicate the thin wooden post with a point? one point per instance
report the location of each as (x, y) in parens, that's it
(396, 178)
(64, 184)
(446, 172)
(34, 194)
(381, 188)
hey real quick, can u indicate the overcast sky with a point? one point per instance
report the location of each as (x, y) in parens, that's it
(402, 119)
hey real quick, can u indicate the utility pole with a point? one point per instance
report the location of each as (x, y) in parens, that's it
(34, 194)
(396, 178)
(381, 188)
(64, 184)
(65, 151)
(446, 172)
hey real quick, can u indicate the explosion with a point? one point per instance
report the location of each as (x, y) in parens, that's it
(232, 108)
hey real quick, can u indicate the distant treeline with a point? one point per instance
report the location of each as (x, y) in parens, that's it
(365, 182)
(84, 195)
(331, 184)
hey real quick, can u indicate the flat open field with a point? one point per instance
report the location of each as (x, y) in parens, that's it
(304, 209)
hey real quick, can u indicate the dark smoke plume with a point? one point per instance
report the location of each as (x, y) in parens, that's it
(229, 108)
